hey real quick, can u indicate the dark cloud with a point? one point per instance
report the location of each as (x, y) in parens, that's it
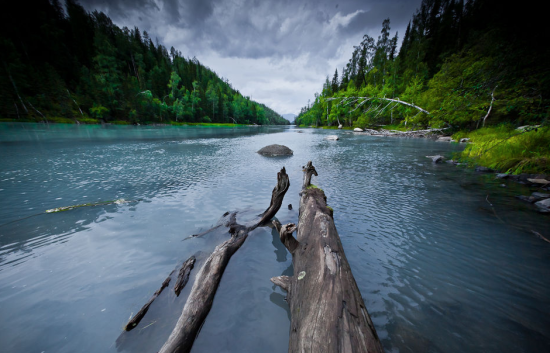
(307, 36)
(256, 29)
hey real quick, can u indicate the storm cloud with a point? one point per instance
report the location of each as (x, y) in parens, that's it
(277, 52)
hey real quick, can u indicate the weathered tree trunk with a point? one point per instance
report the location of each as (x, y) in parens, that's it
(491, 106)
(135, 320)
(183, 275)
(327, 311)
(204, 289)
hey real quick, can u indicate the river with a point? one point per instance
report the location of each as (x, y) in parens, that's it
(444, 257)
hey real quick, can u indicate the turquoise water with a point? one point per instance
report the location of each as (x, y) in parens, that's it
(444, 257)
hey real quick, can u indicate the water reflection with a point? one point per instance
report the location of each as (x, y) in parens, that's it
(445, 258)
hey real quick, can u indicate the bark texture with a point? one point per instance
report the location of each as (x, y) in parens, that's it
(204, 289)
(183, 275)
(327, 311)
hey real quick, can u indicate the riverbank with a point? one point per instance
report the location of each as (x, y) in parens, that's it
(91, 121)
(524, 150)
(503, 148)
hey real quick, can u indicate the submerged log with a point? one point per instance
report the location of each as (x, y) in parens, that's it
(183, 276)
(204, 289)
(135, 320)
(327, 311)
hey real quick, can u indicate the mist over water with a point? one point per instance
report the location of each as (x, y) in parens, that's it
(445, 258)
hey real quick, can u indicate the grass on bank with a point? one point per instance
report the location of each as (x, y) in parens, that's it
(508, 150)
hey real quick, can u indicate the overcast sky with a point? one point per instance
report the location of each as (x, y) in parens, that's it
(277, 52)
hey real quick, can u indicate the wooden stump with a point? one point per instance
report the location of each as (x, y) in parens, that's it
(327, 311)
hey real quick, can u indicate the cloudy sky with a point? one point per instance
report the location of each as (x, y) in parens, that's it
(277, 52)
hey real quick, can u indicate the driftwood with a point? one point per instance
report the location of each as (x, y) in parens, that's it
(366, 99)
(134, 321)
(204, 289)
(183, 276)
(327, 311)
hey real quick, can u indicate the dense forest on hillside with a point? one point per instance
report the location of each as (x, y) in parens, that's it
(65, 64)
(461, 65)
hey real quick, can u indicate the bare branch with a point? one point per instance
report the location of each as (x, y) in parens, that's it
(491, 106)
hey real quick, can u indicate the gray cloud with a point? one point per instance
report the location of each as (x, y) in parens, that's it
(282, 42)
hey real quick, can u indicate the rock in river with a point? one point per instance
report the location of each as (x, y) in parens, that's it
(484, 170)
(436, 159)
(275, 150)
(332, 137)
(358, 129)
(544, 205)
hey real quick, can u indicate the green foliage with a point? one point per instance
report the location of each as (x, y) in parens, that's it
(98, 111)
(506, 149)
(462, 63)
(60, 120)
(312, 186)
(67, 62)
(469, 64)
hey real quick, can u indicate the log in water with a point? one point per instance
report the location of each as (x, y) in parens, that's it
(204, 289)
(327, 311)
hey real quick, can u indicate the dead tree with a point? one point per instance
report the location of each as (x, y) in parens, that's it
(327, 311)
(136, 319)
(490, 107)
(366, 99)
(183, 277)
(204, 289)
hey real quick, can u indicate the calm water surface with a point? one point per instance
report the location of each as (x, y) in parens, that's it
(444, 257)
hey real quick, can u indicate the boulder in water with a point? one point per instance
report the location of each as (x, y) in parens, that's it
(540, 196)
(275, 150)
(332, 138)
(484, 170)
(544, 205)
(539, 181)
(436, 159)
(444, 139)
(358, 129)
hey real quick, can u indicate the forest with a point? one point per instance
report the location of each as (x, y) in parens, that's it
(475, 68)
(64, 64)
(457, 59)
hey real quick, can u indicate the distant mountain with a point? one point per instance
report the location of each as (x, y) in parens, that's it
(290, 117)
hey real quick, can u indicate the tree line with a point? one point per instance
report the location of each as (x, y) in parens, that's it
(62, 61)
(463, 64)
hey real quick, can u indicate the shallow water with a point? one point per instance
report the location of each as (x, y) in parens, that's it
(444, 257)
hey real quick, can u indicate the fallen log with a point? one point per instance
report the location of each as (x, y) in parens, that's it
(327, 311)
(183, 275)
(135, 320)
(204, 289)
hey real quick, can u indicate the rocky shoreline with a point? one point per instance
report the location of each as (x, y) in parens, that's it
(540, 181)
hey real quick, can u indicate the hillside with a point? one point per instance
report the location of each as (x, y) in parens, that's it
(69, 65)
